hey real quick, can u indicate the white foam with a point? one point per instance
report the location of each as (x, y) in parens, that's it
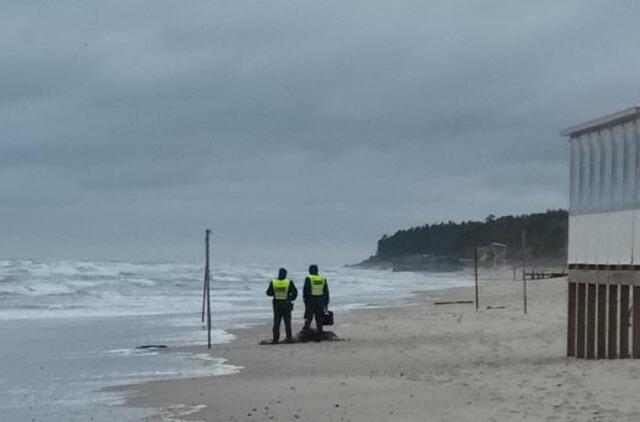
(76, 289)
(177, 412)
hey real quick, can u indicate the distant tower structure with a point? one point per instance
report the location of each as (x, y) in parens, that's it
(499, 254)
(604, 237)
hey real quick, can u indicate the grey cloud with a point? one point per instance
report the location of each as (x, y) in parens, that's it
(291, 129)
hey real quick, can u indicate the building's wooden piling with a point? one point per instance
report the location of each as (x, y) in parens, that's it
(624, 322)
(635, 314)
(580, 323)
(571, 320)
(591, 321)
(601, 351)
(613, 322)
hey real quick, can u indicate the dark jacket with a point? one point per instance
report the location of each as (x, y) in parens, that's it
(293, 292)
(306, 293)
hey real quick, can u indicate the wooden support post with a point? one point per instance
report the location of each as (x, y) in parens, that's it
(613, 322)
(635, 313)
(591, 321)
(580, 325)
(208, 288)
(204, 296)
(475, 266)
(624, 322)
(602, 321)
(571, 320)
(524, 276)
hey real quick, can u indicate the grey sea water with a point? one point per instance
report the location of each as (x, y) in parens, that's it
(70, 328)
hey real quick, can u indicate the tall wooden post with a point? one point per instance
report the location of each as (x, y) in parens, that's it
(204, 295)
(475, 265)
(206, 298)
(524, 276)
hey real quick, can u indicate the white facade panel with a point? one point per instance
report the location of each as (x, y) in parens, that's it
(575, 174)
(594, 182)
(585, 164)
(629, 166)
(603, 238)
(579, 247)
(618, 168)
(573, 253)
(607, 158)
(619, 235)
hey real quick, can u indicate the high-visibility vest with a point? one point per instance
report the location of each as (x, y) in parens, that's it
(281, 288)
(317, 284)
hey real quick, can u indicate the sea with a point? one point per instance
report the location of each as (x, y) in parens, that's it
(71, 329)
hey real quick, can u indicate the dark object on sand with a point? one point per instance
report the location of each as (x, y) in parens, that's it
(152, 346)
(328, 318)
(305, 336)
(454, 302)
(496, 307)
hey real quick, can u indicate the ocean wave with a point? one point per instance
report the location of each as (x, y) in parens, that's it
(47, 289)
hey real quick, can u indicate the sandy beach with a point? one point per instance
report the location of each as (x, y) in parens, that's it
(420, 362)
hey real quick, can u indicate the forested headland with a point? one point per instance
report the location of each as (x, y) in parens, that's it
(448, 245)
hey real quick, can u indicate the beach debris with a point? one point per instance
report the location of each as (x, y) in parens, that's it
(305, 336)
(454, 302)
(497, 307)
(151, 346)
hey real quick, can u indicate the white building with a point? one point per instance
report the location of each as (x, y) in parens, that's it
(604, 211)
(603, 307)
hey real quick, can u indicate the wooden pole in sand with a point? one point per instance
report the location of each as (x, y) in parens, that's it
(475, 268)
(208, 288)
(204, 295)
(524, 277)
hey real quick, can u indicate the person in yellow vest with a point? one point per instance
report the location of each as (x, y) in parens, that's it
(316, 299)
(284, 293)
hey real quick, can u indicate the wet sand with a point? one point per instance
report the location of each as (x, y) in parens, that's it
(421, 362)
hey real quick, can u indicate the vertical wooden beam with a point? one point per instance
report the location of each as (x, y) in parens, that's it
(475, 271)
(580, 325)
(636, 322)
(571, 320)
(624, 321)
(613, 322)
(591, 321)
(602, 321)
(524, 274)
(207, 279)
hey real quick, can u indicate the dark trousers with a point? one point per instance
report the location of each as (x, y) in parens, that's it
(281, 311)
(314, 310)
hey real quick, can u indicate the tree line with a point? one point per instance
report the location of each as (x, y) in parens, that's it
(546, 237)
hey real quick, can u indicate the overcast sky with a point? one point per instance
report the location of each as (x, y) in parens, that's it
(298, 131)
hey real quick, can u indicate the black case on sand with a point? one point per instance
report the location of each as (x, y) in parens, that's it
(328, 318)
